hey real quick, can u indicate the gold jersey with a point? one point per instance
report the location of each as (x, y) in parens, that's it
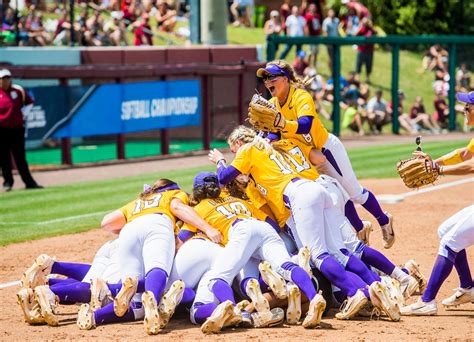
(222, 212)
(470, 146)
(156, 203)
(300, 103)
(271, 174)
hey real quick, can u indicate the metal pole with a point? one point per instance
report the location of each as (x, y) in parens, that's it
(206, 113)
(271, 49)
(452, 86)
(336, 75)
(71, 19)
(195, 21)
(17, 30)
(395, 71)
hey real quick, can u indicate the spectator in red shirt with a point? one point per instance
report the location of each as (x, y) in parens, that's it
(143, 33)
(12, 132)
(419, 117)
(365, 52)
(441, 110)
(313, 29)
(360, 10)
(300, 63)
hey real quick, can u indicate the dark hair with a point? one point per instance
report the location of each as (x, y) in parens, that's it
(235, 190)
(209, 190)
(159, 184)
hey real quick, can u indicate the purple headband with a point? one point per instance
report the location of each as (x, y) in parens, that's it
(272, 69)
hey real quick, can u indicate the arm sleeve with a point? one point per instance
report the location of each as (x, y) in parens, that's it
(226, 174)
(239, 165)
(185, 235)
(274, 136)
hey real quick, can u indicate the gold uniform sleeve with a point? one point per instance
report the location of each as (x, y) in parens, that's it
(241, 159)
(182, 196)
(470, 146)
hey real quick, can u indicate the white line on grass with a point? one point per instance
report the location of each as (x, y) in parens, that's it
(61, 219)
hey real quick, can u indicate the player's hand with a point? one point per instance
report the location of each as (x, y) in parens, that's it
(420, 154)
(215, 155)
(214, 235)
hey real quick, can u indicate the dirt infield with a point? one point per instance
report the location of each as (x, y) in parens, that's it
(416, 222)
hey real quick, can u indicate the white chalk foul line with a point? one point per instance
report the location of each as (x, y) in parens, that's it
(396, 198)
(12, 283)
(61, 219)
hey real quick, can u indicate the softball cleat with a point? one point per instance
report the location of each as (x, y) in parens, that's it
(352, 305)
(85, 317)
(47, 301)
(273, 279)
(169, 301)
(380, 298)
(414, 270)
(460, 296)
(304, 259)
(242, 305)
(388, 234)
(315, 311)
(408, 286)
(364, 234)
(222, 313)
(259, 302)
(30, 307)
(100, 294)
(36, 274)
(293, 312)
(269, 318)
(152, 319)
(125, 295)
(420, 308)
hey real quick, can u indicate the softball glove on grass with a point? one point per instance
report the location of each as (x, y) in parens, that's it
(264, 116)
(418, 171)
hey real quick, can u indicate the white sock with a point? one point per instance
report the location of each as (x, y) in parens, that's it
(398, 274)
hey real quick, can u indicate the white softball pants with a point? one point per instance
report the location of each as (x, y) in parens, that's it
(247, 238)
(146, 243)
(105, 264)
(194, 258)
(457, 232)
(343, 172)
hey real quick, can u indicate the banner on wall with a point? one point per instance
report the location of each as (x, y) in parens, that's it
(52, 104)
(132, 107)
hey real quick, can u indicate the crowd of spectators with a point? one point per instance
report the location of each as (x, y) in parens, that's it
(95, 24)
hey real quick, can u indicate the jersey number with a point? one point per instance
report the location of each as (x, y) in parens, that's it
(151, 203)
(281, 163)
(296, 151)
(236, 208)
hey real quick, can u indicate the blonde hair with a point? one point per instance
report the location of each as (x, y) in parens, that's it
(295, 80)
(249, 136)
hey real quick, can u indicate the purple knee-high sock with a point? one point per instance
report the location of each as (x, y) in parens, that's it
(115, 287)
(155, 281)
(441, 270)
(57, 281)
(358, 282)
(70, 269)
(188, 297)
(351, 213)
(203, 311)
(373, 207)
(358, 267)
(301, 279)
(107, 315)
(376, 259)
(263, 285)
(222, 291)
(77, 292)
(462, 267)
(243, 284)
(336, 274)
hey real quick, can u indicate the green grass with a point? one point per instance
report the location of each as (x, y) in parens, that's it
(29, 215)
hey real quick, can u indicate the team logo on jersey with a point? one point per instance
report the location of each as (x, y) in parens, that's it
(307, 137)
(262, 190)
(306, 107)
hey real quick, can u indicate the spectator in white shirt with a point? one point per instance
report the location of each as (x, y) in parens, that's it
(331, 29)
(377, 112)
(295, 24)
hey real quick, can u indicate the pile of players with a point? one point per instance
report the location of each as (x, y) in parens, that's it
(275, 228)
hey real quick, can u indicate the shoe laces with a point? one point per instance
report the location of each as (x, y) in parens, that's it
(375, 312)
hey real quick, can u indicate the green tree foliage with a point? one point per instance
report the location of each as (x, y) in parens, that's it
(415, 17)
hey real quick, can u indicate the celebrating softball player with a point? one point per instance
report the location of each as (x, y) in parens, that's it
(244, 237)
(297, 118)
(146, 247)
(456, 233)
(307, 203)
